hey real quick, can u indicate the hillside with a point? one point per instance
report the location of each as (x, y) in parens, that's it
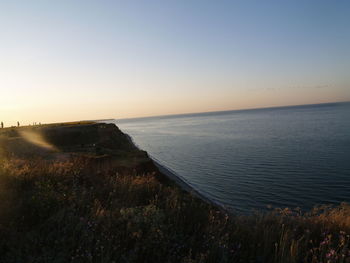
(82, 192)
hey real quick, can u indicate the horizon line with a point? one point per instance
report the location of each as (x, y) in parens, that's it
(229, 110)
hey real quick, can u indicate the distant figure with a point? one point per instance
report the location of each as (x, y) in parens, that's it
(18, 124)
(2, 125)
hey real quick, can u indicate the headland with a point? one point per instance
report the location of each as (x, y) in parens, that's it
(83, 192)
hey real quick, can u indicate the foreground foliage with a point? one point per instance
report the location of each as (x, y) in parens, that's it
(54, 211)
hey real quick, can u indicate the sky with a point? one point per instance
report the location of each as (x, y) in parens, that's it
(82, 60)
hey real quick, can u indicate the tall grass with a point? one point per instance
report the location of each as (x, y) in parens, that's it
(62, 212)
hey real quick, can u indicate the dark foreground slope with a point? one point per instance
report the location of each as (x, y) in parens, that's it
(85, 193)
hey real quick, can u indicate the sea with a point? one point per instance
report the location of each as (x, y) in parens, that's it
(255, 160)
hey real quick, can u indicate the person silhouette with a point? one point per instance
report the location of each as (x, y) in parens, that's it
(2, 125)
(18, 124)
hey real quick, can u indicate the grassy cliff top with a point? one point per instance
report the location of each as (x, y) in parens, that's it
(85, 140)
(68, 137)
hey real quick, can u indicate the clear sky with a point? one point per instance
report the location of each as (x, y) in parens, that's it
(73, 60)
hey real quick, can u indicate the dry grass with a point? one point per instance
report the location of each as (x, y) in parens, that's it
(61, 212)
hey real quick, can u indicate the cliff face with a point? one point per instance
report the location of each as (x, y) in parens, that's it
(101, 146)
(106, 137)
(70, 138)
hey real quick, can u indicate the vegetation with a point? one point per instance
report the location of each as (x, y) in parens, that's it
(62, 210)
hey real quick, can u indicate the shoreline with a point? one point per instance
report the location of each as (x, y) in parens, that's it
(179, 181)
(109, 198)
(187, 187)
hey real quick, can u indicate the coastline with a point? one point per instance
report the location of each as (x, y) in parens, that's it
(96, 197)
(187, 187)
(178, 180)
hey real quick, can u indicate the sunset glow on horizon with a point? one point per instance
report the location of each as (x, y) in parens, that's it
(84, 60)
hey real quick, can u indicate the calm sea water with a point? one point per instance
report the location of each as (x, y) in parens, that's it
(245, 160)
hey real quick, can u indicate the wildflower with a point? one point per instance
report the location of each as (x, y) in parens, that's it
(330, 254)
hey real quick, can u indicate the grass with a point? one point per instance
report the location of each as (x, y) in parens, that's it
(64, 211)
(59, 212)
